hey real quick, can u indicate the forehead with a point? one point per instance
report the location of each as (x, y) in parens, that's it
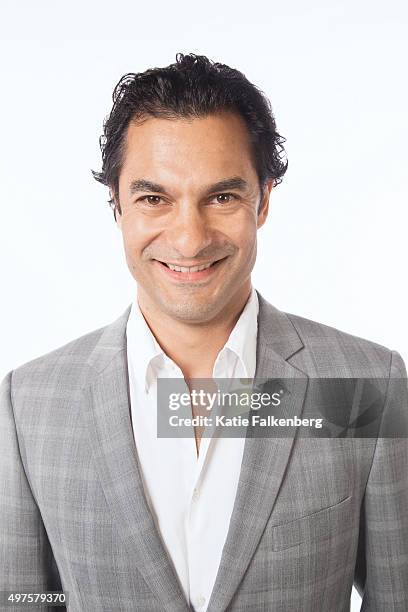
(188, 149)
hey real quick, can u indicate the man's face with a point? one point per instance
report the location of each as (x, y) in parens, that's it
(176, 211)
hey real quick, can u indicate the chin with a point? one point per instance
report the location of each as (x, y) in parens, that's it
(190, 312)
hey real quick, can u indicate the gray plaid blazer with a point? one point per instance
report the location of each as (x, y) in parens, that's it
(311, 517)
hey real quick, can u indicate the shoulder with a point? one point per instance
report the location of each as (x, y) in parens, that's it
(336, 352)
(67, 361)
(67, 367)
(317, 332)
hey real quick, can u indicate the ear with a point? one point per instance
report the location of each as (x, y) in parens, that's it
(264, 204)
(116, 209)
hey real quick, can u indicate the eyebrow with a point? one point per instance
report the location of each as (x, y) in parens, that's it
(235, 182)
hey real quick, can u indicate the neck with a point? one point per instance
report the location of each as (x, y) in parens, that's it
(194, 347)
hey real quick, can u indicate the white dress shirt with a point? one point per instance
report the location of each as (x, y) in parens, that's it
(191, 498)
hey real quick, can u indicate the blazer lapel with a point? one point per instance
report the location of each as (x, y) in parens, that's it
(110, 434)
(264, 459)
(107, 413)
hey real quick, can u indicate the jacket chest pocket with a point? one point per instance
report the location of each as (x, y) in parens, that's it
(324, 524)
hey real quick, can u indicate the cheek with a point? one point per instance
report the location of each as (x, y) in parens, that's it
(135, 237)
(244, 235)
(248, 246)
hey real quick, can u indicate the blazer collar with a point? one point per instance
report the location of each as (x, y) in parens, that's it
(275, 331)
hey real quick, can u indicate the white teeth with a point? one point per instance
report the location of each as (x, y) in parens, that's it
(192, 269)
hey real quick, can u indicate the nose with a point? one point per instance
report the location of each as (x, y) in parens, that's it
(189, 232)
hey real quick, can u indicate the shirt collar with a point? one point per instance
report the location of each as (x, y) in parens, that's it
(242, 339)
(142, 344)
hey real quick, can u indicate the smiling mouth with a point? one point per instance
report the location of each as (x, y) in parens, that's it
(190, 269)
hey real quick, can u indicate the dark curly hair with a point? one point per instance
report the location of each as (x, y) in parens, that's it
(194, 86)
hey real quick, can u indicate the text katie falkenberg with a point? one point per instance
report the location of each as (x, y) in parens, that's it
(252, 401)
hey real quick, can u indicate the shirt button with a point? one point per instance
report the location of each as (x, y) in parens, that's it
(196, 495)
(200, 601)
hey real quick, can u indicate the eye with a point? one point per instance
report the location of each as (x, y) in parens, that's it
(150, 199)
(225, 198)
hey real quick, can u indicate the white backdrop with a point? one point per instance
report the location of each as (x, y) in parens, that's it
(334, 248)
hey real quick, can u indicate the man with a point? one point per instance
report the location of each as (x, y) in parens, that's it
(94, 502)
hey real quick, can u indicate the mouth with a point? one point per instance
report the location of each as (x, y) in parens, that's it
(191, 273)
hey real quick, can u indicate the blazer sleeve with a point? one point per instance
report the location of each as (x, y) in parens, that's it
(381, 573)
(27, 563)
